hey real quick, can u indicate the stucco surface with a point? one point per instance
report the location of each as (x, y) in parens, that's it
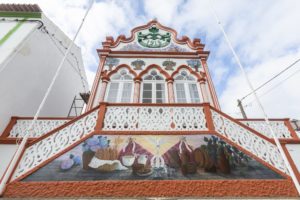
(208, 188)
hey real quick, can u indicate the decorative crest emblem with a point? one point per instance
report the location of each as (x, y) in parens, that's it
(154, 39)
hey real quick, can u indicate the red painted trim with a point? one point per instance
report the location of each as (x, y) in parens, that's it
(167, 133)
(287, 123)
(122, 66)
(209, 120)
(96, 83)
(152, 188)
(289, 141)
(211, 87)
(167, 53)
(14, 140)
(154, 56)
(187, 68)
(10, 125)
(159, 104)
(101, 115)
(153, 66)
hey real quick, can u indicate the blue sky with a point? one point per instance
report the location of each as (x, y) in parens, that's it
(265, 34)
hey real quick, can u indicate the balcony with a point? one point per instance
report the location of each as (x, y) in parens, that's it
(138, 118)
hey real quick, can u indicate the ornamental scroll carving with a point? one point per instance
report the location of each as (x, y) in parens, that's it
(249, 141)
(55, 143)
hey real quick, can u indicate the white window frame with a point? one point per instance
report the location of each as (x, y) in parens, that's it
(154, 82)
(186, 88)
(120, 88)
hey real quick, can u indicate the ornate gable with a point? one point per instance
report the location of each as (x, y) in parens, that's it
(153, 37)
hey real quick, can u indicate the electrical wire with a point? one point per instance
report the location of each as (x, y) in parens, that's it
(281, 151)
(274, 87)
(268, 81)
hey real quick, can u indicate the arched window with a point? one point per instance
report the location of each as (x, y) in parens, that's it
(153, 88)
(120, 88)
(186, 88)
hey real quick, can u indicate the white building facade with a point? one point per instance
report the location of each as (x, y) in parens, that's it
(153, 128)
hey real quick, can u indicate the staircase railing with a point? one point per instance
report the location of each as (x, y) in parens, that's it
(55, 142)
(248, 139)
(281, 127)
(149, 119)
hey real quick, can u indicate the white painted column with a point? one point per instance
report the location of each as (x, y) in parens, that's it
(136, 94)
(204, 90)
(170, 90)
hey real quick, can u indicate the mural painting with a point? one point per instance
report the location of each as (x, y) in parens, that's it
(190, 157)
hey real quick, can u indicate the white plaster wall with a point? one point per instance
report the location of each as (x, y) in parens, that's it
(294, 150)
(28, 73)
(6, 153)
(15, 39)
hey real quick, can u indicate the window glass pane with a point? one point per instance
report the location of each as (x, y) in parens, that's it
(180, 93)
(112, 92)
(159, 77)
(159, 86)
(194, 93)
(147, 93)
(147, 86)
(126, 93)
(160, 92)
(116, 77)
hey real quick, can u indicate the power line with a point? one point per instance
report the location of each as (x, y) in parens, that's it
(278, 84)
(265, 83)
(277, 143)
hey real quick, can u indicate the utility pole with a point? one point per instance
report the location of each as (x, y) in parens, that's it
(240, 105)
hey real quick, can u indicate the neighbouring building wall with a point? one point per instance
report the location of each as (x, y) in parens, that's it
(6, 157)
(29, 59)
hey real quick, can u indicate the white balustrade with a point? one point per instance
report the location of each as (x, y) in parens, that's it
(40, 128)
(249, 141)
(154, 118)
(55, 143)
(279, 128)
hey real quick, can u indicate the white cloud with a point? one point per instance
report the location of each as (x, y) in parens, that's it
(265, 34)
(280, 102)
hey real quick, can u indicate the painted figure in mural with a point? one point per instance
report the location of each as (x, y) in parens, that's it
(154, 158)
